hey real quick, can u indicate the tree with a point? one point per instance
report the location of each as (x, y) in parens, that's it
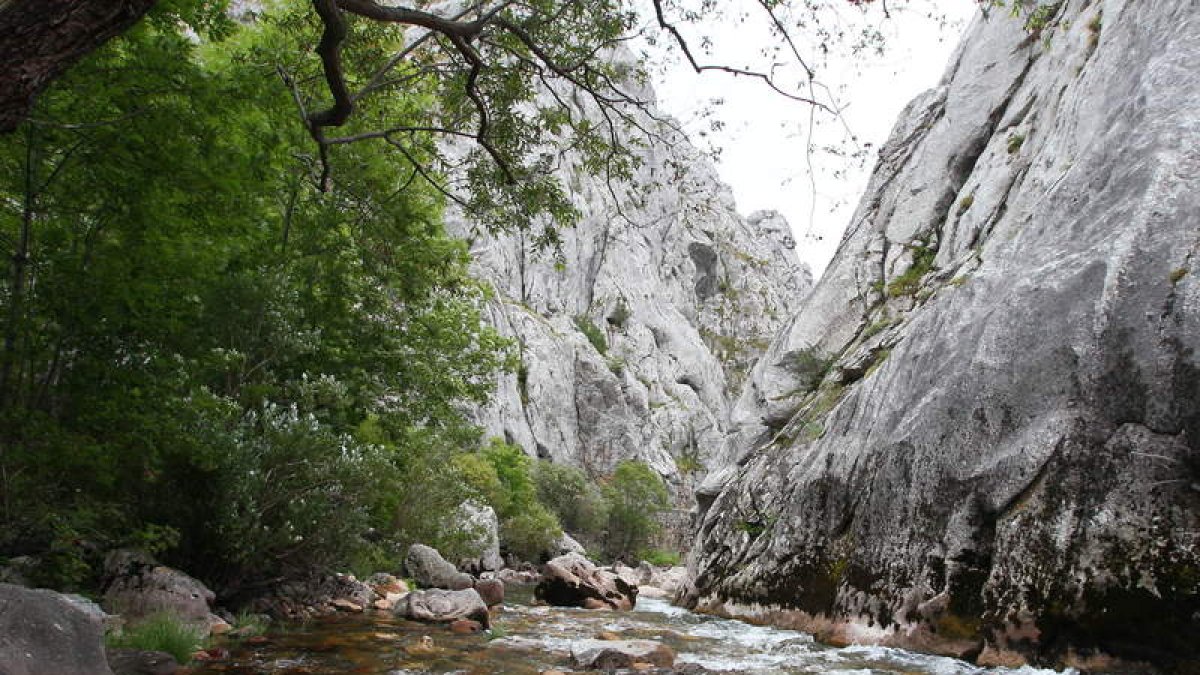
(636, 497)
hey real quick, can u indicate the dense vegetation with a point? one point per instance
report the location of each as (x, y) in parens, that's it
(210, 354)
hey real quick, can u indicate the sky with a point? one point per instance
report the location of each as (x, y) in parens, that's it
(764, 138)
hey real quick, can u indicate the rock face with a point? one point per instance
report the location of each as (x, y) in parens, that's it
(43, 633)
(981, 433)
(636, 345)
(573, 581)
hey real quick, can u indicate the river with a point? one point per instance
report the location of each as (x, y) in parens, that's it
(529, 639)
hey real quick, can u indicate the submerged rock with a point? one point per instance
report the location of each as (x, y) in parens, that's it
(43, 633)
(617, 654)
(573, 581)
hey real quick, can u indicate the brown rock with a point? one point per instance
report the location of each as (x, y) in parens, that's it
(346, 605)
(573, 581)
(465, 626)
(491, 590)
(607, 635)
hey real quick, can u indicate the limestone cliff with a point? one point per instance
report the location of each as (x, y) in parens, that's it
(980, 435)
(635, 344)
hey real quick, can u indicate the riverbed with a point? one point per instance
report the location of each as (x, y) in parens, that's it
(528, 639)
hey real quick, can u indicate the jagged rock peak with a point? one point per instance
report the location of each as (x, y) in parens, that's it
(980, 434)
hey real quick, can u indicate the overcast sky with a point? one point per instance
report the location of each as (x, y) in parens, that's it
(764, 138)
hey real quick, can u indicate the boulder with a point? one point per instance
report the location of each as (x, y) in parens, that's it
(312, 597)
(43, 633)
(138, 662)
(465, 626)
(431, 570)
(137, 588)
(482, 530)
(518, 576)
(383, 584)
(618, 654)
(567, 544)
(572, 581)
(443, 606)
(491, 590)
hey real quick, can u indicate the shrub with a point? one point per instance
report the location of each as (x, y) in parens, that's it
(1015, 142)
(659, 557)
(636, 496)
(574, 498)
(161, 633)
(809, 365)
(593, 333)
(908, 282)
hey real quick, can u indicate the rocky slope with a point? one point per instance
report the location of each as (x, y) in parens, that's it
(635, 344)
(980, 435)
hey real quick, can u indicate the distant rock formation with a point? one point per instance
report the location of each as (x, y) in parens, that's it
(636, 345)
(980, 435)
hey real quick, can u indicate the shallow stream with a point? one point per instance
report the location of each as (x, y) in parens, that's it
(529, 639)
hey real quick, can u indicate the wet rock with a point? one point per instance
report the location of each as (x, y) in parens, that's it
(303, 599)
(138, 662)
(491, 590)
(43, 633)
(573, 581)
(465, 626)
(137, 587)
(443, 606)
(431, 570)
(617, 654)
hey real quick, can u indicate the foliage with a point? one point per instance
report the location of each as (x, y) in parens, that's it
(201, 347)
(503, 476)
(592, 332)
(620, 313)
(659, 557)
(161, 633)
(577, 501)
(636, 497)
(809, 365)
(908, 282)
(1177, 275)
(1015, 142)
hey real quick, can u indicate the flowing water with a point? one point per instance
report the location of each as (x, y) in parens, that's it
(528, 639)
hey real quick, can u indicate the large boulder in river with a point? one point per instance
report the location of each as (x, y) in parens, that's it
(441, 606)
(573, 581)
(431, 570)
(138, 587)
(611, 655)
(481, 527)
(43, 633)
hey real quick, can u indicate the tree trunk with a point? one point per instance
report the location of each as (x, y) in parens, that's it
(40, 39)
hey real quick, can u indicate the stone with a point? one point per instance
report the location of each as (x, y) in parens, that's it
(384, 584)
(617, 654)
(1011, 411)
(512, 576)
(567, 544)
(480, 527)
(491, 590)
(465, 626)
(43, 633)
(137, 587)
(573, 581)
(345, 605)
(138, 662)
(443, 606)
(430, 570)
(305, 598)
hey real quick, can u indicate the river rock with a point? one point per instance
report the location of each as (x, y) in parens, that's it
(138, 587)
(314, 596)
(618, 654)
(519, 576)
(481, 528)
(491, 590)
(443, 606)
(139, 662)
(43, 633)
(573, 581)
(430, 570)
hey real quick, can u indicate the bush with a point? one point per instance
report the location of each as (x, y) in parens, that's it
(593, 333)
(574, 498)
(809, 365)
(659, 557)
(636, 496)
(502, 476)
(161, 633)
